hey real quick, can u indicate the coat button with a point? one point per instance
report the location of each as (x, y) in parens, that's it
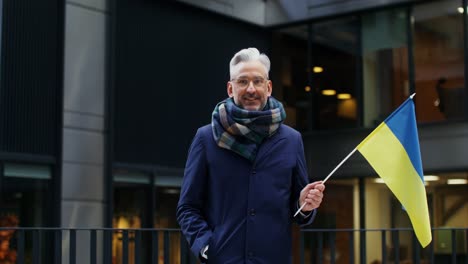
(252, 212)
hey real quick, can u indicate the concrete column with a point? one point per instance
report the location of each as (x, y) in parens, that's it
(82, 201)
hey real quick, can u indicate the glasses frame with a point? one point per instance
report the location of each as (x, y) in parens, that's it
(250, 80)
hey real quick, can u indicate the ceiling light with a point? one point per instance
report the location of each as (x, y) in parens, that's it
(317, 69)
(328, 92)
(457, 181)
(379, 180)
(171, 191)
(460, 10)
(431, 178)
(344, 96)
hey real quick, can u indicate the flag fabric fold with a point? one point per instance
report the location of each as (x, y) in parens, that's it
(392, 150)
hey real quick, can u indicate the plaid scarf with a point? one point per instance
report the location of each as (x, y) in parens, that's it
(243, 131)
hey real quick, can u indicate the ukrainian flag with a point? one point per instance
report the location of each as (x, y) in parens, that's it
(392, 149)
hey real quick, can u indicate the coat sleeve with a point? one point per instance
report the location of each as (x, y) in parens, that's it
(300, 180)
(190, 209)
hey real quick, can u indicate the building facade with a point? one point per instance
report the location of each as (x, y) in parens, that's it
(94, 97)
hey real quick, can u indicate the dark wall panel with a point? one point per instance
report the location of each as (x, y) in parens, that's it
(171, 68)
(30, 76)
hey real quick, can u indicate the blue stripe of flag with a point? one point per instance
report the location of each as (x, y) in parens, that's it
(403, 125)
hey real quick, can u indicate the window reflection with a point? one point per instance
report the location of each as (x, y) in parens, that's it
(290, 80)
(132, 191)
(334, 213)
(448, 207)
(385, 64)
(317, 76)
(167, 198)
(25, 201)
(439, 61)
(139, 204)
(335, 49)
(322, 66)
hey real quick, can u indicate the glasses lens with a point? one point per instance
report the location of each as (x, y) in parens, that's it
(244, 82)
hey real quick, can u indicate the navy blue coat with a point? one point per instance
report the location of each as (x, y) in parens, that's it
(243, 210)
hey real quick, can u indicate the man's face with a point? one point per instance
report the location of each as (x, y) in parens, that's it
(250, 87)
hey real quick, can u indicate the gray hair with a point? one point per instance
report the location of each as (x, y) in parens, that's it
(249, 54)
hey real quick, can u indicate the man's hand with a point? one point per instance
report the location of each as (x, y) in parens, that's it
(312, 195)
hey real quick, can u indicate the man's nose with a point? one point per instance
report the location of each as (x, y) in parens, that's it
(251, 88)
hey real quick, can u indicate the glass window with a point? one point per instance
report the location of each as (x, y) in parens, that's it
(132, 191)
(167, 198)
(384, 211)
(289, 76)
(335, 72)
(316, 74)
(26, 194)
(446, 197)
(449, 208)
(25, 201)
(336, 213)
(438, 59)
(384, 63)
(133, 199)
(167, 191)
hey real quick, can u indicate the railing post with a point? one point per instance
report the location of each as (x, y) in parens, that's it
(125, 246)
(72, 246)
(384, 247)
(107, 234)
(454, 246)
(396, 246)
(351, 247)
(166, 247)
(92, 246)
(20, 252)
(155, 247)
(36, 246)
(313, 242)
(320, 247)
(301, 247)
(137, 246)
(332, 246)
(363, 246)
(58, 246)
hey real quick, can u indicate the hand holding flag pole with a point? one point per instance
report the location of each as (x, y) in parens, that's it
(329, 175)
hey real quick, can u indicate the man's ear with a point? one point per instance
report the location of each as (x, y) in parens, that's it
(269, 88)
(229, 89)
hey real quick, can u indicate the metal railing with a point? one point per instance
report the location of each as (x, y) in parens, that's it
(163, 246)
(382, 246)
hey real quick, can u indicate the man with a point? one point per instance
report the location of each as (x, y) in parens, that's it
(246, 175)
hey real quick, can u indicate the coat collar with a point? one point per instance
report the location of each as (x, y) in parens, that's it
(269, 143)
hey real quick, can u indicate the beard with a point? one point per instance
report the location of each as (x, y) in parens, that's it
(251, 102)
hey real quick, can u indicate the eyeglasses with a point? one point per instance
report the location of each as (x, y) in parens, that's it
(243, 82)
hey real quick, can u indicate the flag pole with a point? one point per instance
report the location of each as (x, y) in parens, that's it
(329, 175)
